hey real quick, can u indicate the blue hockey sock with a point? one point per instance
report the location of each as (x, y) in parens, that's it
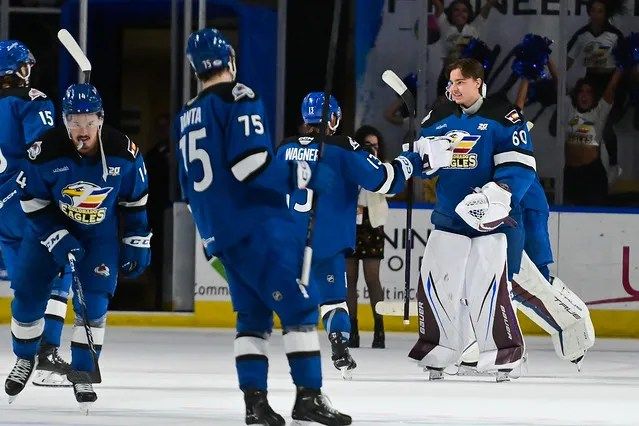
(251, 360)
(54, 320)
(336, 320)
(302, 350)
(545, 272)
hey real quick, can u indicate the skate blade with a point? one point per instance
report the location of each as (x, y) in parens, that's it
(302, 422)
(84, 407)
(347, 374)
(12, 398)
(51, 380)
(502, 378)
(434, 374)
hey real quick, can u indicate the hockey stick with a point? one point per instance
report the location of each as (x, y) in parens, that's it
(330, 67)
(395, 83)
(95, 376)
(76, 52)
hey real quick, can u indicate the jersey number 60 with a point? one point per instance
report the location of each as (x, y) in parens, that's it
(197, 154)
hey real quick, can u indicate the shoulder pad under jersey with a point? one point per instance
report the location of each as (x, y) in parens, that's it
(118, 144)
(499, 109)
(440, 111)
(229, 92)
(53, 144)
(26, 93)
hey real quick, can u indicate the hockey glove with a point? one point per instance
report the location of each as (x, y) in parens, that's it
(486, 208)
(60, 244)
(410, 163)
(135, 254)
(323, 179)
(436, 152)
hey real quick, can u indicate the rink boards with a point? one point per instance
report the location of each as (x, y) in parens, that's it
(595, 255)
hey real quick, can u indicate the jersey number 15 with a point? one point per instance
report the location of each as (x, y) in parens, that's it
(191, 153)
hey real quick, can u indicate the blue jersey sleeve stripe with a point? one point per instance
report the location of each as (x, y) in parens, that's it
(249, 166)
(515, 157)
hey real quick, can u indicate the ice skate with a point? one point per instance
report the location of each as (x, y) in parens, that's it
(312, 406)
(258, 410)
(434, 373)
(52, 369)
(342, 359)
(85, 396)
(19, 377)
(502, 376)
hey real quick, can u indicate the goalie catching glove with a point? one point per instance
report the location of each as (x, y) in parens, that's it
(487, 208)
(135, 254)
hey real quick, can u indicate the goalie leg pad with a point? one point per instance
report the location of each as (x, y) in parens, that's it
(439, 295)
(499, 338)
(556, 309)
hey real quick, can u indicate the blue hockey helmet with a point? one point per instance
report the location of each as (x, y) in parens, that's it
(13, 56)
(82, 98)
(312, 109)
(208, 50)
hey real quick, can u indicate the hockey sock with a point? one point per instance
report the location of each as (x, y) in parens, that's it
(81, 358)
(25, 330)
(251, 360)
(301, 344)
(336, 320)
(54, 320)
(545, 272)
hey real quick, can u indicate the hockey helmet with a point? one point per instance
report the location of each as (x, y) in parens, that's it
(13, 55)
(82, 98)
(312, 109)
(208, 50)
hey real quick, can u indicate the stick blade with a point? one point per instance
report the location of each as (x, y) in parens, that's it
(74, 49)
(389, 77)
(395, 309)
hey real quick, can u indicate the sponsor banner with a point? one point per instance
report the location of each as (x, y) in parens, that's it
(598, 258)
(593, 256)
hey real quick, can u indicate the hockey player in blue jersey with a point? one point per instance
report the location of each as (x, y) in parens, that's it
(25, 114)
(464, 285)
(236, 190)
(77, 179)
(334, 235)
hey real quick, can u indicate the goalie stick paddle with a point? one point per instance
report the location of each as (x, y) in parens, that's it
(76, 52)
(75, 376)
(330, 67)
(396, 83)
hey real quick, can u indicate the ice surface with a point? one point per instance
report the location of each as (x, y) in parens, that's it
(187, 377)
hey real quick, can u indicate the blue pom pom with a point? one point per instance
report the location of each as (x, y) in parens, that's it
(531, 56)
(480, 51)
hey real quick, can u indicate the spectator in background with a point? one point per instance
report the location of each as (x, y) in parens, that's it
(594, 43)
(585, 177)
(457, 25)
(372, 212)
